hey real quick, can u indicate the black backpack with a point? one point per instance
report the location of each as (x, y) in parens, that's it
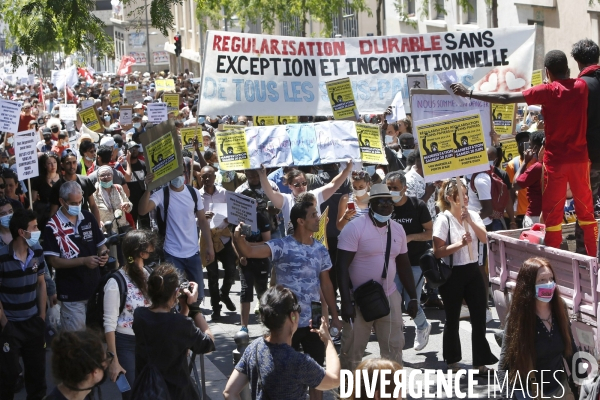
(94, 316)
(161, 221)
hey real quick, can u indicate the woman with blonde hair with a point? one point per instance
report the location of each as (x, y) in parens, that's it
(371, 365)
(455, 234)
(537, 335)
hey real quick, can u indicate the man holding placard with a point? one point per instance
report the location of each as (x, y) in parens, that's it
(564, 104)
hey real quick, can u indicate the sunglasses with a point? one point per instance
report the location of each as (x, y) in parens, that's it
(384, 202)
(300, 184)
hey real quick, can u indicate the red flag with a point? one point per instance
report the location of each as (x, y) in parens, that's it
(85, 73)
(125, 66)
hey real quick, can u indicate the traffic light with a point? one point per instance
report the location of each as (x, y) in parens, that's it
(177, 45)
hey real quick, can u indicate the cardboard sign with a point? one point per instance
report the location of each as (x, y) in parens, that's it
(232, 150)
(172, 101)
(342, 99)
(133, 94)
(10, 113)
(188, 135)
(166, 85)
(510, 150)
(163, 153)
(157, 113)
(90, 119)
(264, 121)
(321, 235)
(537, 78)
(416, 81)
(503, 118)
(269, 146)
(369, 140)
(284, 120)
(115, 96)
(125, 116)
(241, 208)
(26, 154)
(68, 112)
(87, 103)
(451, 146)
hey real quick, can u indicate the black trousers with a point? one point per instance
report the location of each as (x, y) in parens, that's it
(23, 339)
(227, 258)
(466, 282)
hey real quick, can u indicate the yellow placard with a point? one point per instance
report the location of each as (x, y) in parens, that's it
(228, 127)
(232, 150)
(537, 77)
(341, 98)
(452, 145)
(172, 101)
(369, 141)
(133, 94)
(90, 119)
(160, 155)
(115, 96)
(503, 118)
(284, 120)
(510, 149)
(265, 121)
(188, 135)
(321, 235)
(166, 85)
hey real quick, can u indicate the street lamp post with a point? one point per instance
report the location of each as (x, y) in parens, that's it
(147, 37)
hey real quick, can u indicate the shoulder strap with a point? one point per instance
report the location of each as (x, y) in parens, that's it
(448, 241)
(122, 284)
(387, 251)
(166, 194)
(194, 197)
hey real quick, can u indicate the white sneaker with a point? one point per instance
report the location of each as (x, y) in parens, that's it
(464, 312)
(488, 316)
(422, 337)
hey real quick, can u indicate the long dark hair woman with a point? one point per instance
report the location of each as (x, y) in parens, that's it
(41, 186)
(138, 247)
(537, 334)
(163, 337)
(274, 369)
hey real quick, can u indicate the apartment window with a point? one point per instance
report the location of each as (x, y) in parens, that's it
(119, 45)
(472, 13)
(411, 7)
(103, 5)
(349, 26)
(291, 28)
(440, 9)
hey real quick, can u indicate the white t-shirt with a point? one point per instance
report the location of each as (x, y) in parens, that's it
(218, 196)
(483, 184)
(181, 238)
(288, 203)
(440, 230)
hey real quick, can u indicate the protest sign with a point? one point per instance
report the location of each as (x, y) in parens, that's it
(90, 119)
(397, 108)
(451, 145)
(269, 146)
(416, 81)
(163, 153)
(448, 78)
(537, 77)
(342, 99)
(125, 115)
(157, 112)
(503, 118)
(172, 101)
(219, 211)
(337, 141)
(87, 103)
(26, 154)
(510, 149)
(246, 74)
(232, 150)
(321, 235)
(68, 112)
(166, 85)
(430, 103)
(241, 208)
(264, 120)
(188, 135)
(115, 96)
(284, 120)
(10, 113)
(133, 94)
(303, 139)
(369, 140)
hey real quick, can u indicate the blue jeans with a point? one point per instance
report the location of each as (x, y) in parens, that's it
(191, 267)
(420, 319)
(125, 345)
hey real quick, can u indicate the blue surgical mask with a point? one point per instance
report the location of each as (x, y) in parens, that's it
(106, 185)
(137, 125)
(34, 239)
(381, 218)
(389, 139)
(396, 196)
(178, 182)
(370, 169)
(5, 220)
(74, 210)
(545, 291)
(216, 165)
(4, 165)
(107, 118)
(406, 152)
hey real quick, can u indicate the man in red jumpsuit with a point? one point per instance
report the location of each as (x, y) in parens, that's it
(564, 106)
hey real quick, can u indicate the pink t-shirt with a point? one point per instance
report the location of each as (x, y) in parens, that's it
(362, 237)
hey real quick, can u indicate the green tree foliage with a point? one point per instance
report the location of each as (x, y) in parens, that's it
(39, 26)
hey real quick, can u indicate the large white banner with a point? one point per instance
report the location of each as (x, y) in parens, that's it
(247, 74)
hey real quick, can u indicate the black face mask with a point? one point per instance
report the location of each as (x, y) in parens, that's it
(55, 129)
(214, 124)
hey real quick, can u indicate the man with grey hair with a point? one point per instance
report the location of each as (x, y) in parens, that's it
(412, 213)
(74, 246)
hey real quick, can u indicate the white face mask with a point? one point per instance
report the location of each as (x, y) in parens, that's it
(389, 139)
(396, 196)
(360, 192)
(491, 163)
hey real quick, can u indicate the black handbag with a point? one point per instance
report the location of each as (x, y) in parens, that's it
(370, 296)
(435, 270)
